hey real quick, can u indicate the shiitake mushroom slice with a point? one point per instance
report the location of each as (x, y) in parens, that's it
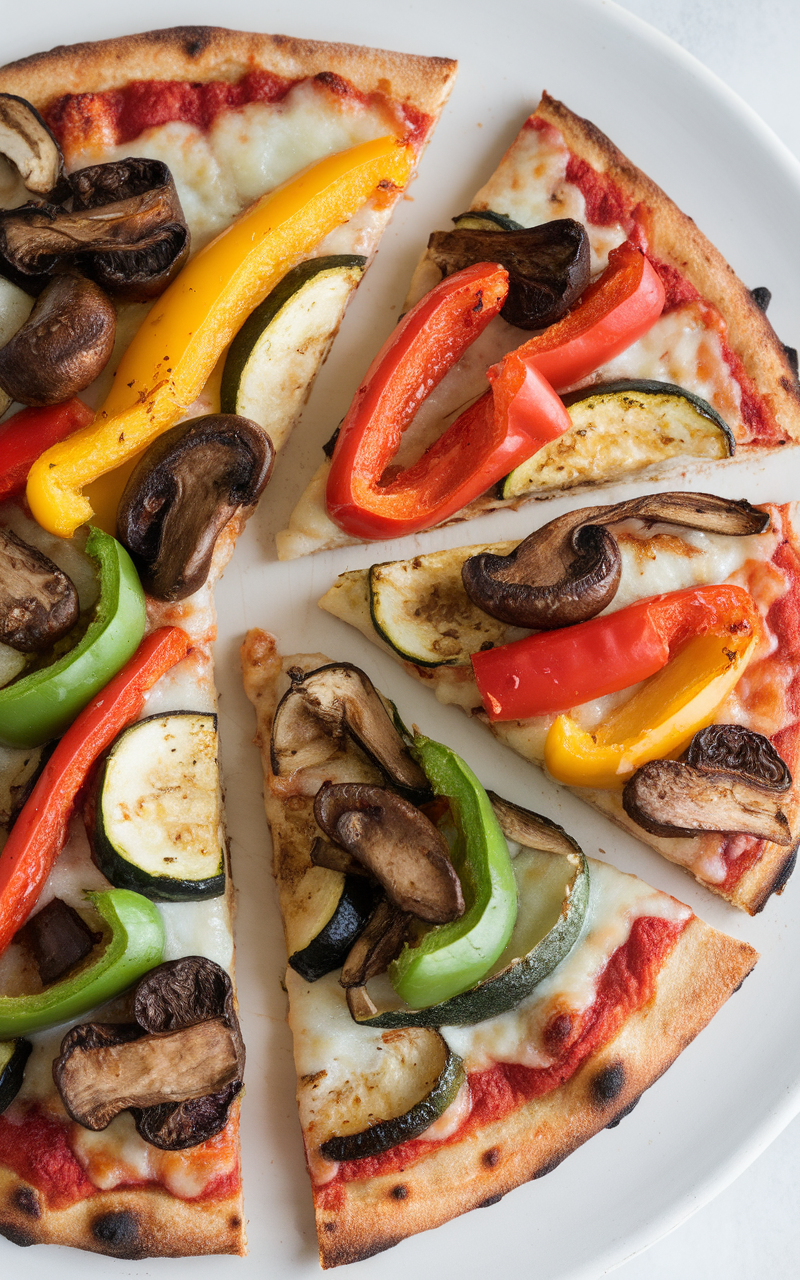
(38, 602)
(28, 144)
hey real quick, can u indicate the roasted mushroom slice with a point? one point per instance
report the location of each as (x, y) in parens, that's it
(64, 344)
(569, 570)
(27, 142)
(332, 702)
(402, 848)
(38, 602)
(59, 939)
(178, 1070)
(548, 265)
(731, 782)
(183, 492)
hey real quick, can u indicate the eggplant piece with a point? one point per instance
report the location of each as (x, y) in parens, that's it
(182, 493)
(13, 1056)
(64, 344)
(27, 142)
(548, 265)
(569, 570)
(38, 602)
(59, 939)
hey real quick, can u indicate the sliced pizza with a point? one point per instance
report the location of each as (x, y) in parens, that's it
(658, 352)
(532, 994)
(133, 163)
(603, 649)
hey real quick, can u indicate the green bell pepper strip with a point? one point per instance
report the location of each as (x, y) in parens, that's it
(40, 706)
(451, 958)
(136, 947)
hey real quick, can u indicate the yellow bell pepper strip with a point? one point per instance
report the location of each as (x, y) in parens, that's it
(658, 721)
(182, 337)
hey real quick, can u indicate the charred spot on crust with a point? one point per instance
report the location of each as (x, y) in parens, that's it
(26, 1199)
(490, 1200)
(612, 1124)
(118, 1232)
(781, 879)
(196, 40)
(234, 1222)
(332, 81)
(400, 1192)
(762, 296)
(490, 1157)
(544, 1169)
(329, 1226)
(16, 1235)
(608, 1084)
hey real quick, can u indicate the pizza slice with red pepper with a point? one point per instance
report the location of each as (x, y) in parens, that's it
(644, 653)
(574, 328)
(471, 998)
(185, 215)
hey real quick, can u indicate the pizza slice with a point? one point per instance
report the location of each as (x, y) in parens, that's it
(532, 993)
(603, 649)
(120, 1057)
(572, 273)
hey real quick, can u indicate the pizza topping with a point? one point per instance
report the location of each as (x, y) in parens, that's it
(13, 1056)
(548, 265)
(731, 781)
(379, 943)
(64, 344)
(569, 570)
(178, 1069)
(40, 704)
(332, 702)
(183, 492)
(28, 144)
(134, 944)
(59, 939)
(38, 602)
(25, 435)
(329, 948)
(172, 355)
(402, 848)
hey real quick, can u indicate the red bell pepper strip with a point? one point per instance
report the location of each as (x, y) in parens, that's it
(40, 832)
(26, 435)
(552, 671)
(612, 313)
(470, 456)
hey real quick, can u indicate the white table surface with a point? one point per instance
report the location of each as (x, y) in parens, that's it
(752, 1229)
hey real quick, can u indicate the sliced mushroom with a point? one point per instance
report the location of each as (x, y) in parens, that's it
(330, 703)
(386, 931)
(126, 231)
(397, 843)
(732, 781)
(569, 570)
(59, 939)
(27, 142)
(530, 829)
(178, 1069)
(64, 344)
(183, 492)
(38, 602)
(335, 858)
(548, 265)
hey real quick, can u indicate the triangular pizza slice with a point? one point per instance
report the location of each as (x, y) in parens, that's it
(532, 993)
(615, 640)
(659, 353)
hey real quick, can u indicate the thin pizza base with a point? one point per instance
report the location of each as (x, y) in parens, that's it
(703, 969)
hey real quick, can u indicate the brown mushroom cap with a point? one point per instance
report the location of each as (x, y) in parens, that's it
(64, 344)
(38, 602)
(735, 750)
(568, 571)
(183, 492)
(379, 943)
(27, 142)
(397, 843)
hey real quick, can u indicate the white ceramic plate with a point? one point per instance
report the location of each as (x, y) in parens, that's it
(735, 1087)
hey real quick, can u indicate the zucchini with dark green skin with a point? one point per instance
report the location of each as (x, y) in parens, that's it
(156, 827)
(13, 1056)
(329, 948)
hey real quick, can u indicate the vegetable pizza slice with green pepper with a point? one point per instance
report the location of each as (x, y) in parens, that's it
(462, 979)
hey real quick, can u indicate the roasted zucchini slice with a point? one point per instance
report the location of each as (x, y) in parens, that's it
(486, 220)
(352, 906)
(13, 1056)
(156, 827)
(272, 361)
(619, 428)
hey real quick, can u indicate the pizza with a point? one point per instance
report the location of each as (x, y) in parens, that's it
(504, 1036)
(462, 621)
(603, 292)
(135, 165)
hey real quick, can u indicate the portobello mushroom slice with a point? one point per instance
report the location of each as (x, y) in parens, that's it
(28, 144)
(64, 344)
(182, 493)
(548, 265)
(731, 782)
(13, 1056)
(401, 847)
(178, 1069)
(329, 704)
(38, 602)
(569, 570)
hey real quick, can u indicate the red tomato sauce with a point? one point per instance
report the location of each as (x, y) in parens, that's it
(626, 984)
(38, 1151)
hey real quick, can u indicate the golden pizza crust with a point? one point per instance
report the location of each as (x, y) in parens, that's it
(704, 968)
(211, 53)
